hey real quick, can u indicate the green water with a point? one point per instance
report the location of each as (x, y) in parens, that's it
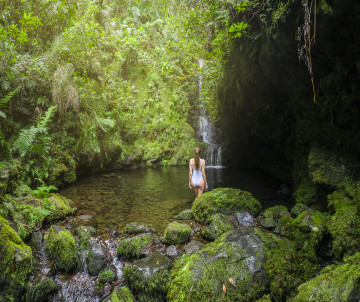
(154, 196)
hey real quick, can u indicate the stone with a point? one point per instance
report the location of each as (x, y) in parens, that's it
(177, 233)
(106, 276)
(185, 215)
(219, 225)
(97, 258)
(138, 228)
(84, 234)
(171, 251)
(276, 218)
(238, 254)
(43, 290)
(223, 200)
(245, 219)
(193, 246)
(62, 249)
(121, 294)
(137, 246)
(148, 277)
(299, 208)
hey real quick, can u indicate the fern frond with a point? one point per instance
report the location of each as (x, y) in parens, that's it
(44, 121)
(8, 97)
(25, 140)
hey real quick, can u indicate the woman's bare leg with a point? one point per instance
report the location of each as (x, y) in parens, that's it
(201, 188)
(195, 188)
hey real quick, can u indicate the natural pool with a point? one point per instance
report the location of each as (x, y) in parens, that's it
(153, 196)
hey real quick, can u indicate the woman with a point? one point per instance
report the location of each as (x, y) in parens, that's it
(197, 176)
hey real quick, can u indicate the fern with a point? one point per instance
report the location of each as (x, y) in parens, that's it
(8, 97)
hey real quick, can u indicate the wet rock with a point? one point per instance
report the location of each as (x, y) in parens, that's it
(275, 219)
(97, 258)
(177, 233)
(42, 291)
(245, 219)
(148, 277)
(11, 174)
(237, 254)
(138, 228)
(137, 246)
(121, 294)
(106, 276)
(326, 167)
(84, 234)
(171, 251)
(62, 249)
(299, 208)
(223, 200)
(192, 247)
(85, 217)
(185, 215)
(218, 226)
(335, 283)
(15, 261)
(61, 209)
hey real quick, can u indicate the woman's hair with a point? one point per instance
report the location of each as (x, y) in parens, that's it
(197, 152)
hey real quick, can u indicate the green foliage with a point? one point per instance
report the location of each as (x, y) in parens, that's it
(238, 29)
(106, 276)
(43, 191)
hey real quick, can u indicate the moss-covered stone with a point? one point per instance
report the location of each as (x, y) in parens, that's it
(338, 282)
(84, 234)
(42, 291)
(121, 294)
(237, 254)
(15, 261)
(137, 228)
(97, 258)
(177, 233)
(223, 200)
(148, 277)
(185, 215)
(63, 170)
(62, 249)
(305, 192)
(106, 276)
(11, 174)
(299, 208)
(218, 226)
(61, 207)
(344, 224)
(136, 247)
(276, 218)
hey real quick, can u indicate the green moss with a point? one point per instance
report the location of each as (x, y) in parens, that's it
(62, 249)
(276, 218)
(61, 207)
(137, 228)
(185, 215)
(305, 192)
(338, 282)
(63, 170)
(42, 291)
(121, 294)
(177, 233)
(106, 276)
(15, 261)
(218, 226)
(201, 276)
(226, 201)
(133, 247)
(84, 234)
(265, 298)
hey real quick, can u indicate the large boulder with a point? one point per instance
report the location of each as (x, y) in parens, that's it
(148, 277)
(177, 233)
(42, 291)
(15, 262)
(233, 262)
(137, 246)
(326, 167)
(276, 218)
(97, 258)
(223, 200)
(184, 215)
(62, 249)
(60, 207)
(338, 282)
(63, 170)
(219, 225)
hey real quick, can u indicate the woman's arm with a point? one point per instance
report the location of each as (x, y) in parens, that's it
(204, 175)
(190, 174)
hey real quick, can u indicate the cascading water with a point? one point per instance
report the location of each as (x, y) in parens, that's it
(208, 133)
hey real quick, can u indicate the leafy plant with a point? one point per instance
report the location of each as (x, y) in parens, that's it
(44, 191)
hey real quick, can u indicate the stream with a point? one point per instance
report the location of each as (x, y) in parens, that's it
(111, 200)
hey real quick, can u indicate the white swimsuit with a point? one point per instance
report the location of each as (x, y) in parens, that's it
(197, 174)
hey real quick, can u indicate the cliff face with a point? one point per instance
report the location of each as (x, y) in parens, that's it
(269, 114)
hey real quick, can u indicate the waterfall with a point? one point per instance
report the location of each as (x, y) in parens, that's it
(208, 133)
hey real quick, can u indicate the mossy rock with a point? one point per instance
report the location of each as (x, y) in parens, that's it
(185, 215)
(121, 294)
(137, 246)
(177, 233)
(298, 209)
(84, 234)
(148, 278)
(223, 200)
(42, 291)
(97, 258)
(338, 282)
(276, 218)
(237, 254)
(62, 249)
(61, 207)
(138, 228)
(305, 192)
(106, 276)
(11, 174)
(219, 225)
(63, 170)
(344, 225)
(15, 261)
